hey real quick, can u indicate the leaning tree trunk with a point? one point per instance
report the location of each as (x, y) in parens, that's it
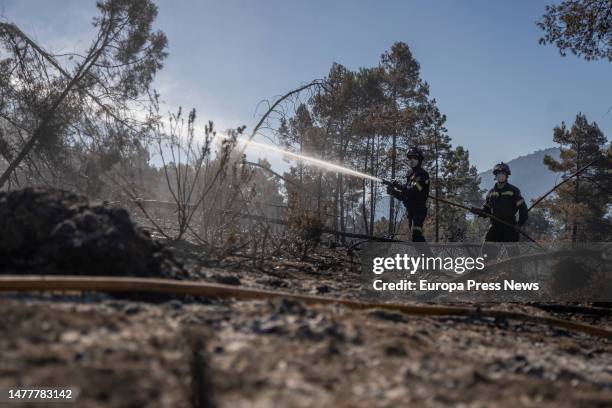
(39, 133)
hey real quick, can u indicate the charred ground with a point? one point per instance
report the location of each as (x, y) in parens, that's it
(203, 351)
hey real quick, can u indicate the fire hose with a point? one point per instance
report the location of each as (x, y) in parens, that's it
(465, 207)
(214, 290)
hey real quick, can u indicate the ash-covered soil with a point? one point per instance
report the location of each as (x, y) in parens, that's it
(48, 231)
(118, 353)
(221, 352)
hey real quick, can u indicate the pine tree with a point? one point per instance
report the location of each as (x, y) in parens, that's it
(437, 146)
(582, 26)
(405, 92)
(460, 183)
(580, 206)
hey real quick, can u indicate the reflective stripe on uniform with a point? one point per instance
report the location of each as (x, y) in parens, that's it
(520, 202)
(416, 183)
(417, 228)
(508, 193)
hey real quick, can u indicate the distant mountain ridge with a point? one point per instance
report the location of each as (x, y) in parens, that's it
(529, 174)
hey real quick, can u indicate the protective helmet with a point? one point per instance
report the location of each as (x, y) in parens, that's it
(502, 168)
(415, 152)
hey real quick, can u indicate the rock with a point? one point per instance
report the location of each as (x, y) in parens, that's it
(132, 310)
(79, 356)
(287, 306)
(534, 371)
(394, 349)
(116, 305)
(567, 375)
(386, 315)
(175, 304)
(268, 327)
(319, 329)
(227, 280)
(273, 282)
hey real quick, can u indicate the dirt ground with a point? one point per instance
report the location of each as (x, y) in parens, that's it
(212, 352)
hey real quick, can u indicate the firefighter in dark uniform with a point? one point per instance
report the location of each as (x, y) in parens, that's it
(413, 194)
(503, 201)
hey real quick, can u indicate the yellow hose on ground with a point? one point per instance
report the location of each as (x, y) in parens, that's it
(46, 283)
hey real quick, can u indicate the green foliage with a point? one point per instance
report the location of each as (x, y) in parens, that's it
(459, 183)
(53, 107)
(366, 119)
(580, 206)
(582, 26)
(540, 226)
(136, 51)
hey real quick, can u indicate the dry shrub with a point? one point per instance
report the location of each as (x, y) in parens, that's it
(306, 228)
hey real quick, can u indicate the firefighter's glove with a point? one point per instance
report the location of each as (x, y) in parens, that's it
(477, 211)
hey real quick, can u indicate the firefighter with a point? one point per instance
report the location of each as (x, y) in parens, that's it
(413, 194)
(503, 201)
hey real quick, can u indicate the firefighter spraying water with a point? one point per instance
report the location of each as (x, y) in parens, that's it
(501, 206)
(413, 194)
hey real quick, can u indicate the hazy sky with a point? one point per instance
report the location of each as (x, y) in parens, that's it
(501, 91)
